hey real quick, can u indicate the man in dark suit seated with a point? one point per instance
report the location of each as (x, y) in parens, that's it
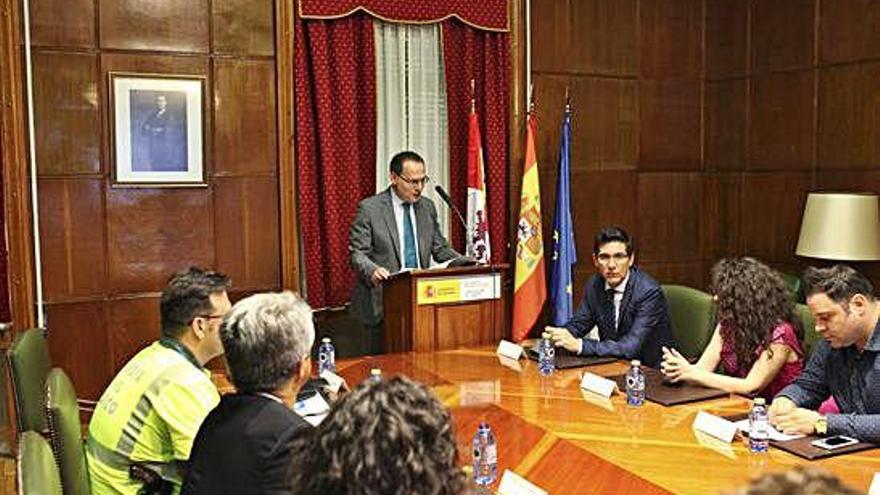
(625, 303)
(243, 446)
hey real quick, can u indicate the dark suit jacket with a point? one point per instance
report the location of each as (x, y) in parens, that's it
(243, 447)
(374, 242)
(643, 326)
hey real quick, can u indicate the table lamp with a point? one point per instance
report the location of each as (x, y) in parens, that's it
(840, 226)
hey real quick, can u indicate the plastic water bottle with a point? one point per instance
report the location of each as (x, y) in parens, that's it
(758, 426)
(375, 375)
(635, 384)
(485, 456)
(326, 356)
(546, 355)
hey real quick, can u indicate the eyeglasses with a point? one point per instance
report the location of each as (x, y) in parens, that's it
(416, 182)
(618, 258)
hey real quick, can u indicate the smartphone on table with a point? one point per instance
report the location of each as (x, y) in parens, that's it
(834, 442)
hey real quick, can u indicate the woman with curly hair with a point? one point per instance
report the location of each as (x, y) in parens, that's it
(757, 339)
(390, 437)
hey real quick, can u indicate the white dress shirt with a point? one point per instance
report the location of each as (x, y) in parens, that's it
(397, 206)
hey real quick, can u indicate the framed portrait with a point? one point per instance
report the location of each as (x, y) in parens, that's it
(157, 129)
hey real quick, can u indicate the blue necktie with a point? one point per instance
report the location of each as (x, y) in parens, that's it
(409, 239)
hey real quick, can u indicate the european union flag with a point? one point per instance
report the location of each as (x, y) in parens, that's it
(564, 252)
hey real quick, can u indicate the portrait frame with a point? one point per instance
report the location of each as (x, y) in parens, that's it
(157, 130)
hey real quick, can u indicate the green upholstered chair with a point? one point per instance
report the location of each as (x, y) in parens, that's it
(810, 335)
(65, 433)
(795, 284)
(29, 365)
(36, 470)
(692, 317)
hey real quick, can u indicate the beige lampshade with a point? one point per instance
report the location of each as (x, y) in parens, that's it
(840, 226)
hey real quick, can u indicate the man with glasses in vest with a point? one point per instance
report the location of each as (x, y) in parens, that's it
(143, 427)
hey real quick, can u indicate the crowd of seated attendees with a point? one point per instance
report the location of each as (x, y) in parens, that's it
(393, 436)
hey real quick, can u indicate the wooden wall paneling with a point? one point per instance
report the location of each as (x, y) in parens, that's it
(848, 116)
(66, 106)
(771, 209)
(669, 128)
(243, 27)
(670, 205)
(78, 343)
(153, 233)
(551, 36)
(158, 25)
(135, 323)
(247, 231)
(781, 130)
(245, 137)
(290, 258)
(692, 273)
(849, 30)
(726, 38)
(70, 23)
(848, 180)
(549, 105)
(600, 199)
(605, 124)
(601, 37)
(782, 34)
(670, 38)
(725, 125)
(72, 241)
(13, 158)
(721, 215)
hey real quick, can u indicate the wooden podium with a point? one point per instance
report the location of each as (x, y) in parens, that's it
(431, 310)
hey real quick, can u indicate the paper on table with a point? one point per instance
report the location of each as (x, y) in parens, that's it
(313, 406)
(775, 435)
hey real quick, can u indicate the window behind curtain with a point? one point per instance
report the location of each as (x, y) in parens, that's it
(411, 103)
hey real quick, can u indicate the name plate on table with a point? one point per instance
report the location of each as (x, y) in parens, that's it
(716, 426)
(875, 485)
(514, 484)
(598, 385)
(438, 290)
(510, 350)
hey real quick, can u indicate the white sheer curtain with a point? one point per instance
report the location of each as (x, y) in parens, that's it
(411, 103)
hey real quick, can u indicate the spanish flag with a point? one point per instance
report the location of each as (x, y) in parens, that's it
(530, 289)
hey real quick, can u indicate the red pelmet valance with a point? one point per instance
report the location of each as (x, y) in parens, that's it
(489, 15)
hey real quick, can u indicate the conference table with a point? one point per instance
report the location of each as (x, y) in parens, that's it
(570, 441)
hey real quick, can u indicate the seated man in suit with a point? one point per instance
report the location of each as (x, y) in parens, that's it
(625, 303)
(244, 444)
(393, 230)
(844, 364)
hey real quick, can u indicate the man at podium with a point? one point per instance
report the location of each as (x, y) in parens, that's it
(394, 230)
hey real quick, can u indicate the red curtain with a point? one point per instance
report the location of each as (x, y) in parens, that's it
(483, 14)
(482, 56)
(335, 91)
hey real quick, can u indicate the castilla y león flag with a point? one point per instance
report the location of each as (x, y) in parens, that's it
(477, 218)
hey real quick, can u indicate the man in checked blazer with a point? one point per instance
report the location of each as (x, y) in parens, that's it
(625, 303)
(393, 230)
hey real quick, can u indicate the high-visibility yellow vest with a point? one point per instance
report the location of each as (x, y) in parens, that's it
(149, 414)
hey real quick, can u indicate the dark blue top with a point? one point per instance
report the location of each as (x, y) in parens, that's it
(853, 378)
(643, 326)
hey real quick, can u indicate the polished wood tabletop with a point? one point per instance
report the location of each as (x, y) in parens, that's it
(570, 441)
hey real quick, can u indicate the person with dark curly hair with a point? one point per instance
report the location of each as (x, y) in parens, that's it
(757, 340)
(800, 480)
(391, 437)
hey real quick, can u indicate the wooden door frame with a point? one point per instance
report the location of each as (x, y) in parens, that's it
(16, 191)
